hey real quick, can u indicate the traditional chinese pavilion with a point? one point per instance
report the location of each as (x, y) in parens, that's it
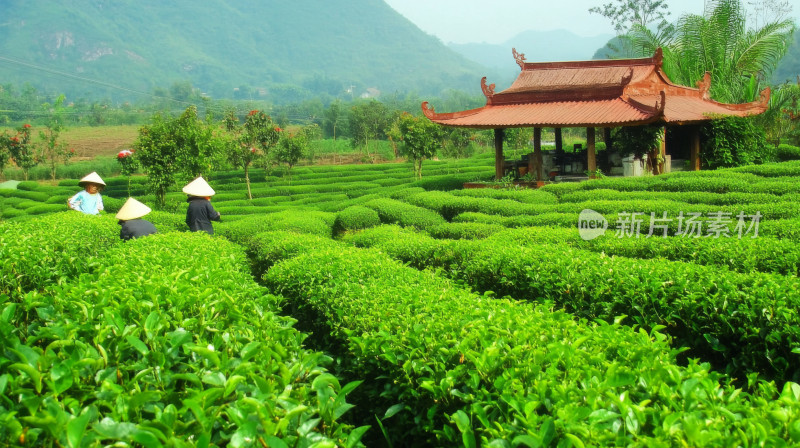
(593, 94)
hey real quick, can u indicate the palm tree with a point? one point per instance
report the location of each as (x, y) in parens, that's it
(739, 59)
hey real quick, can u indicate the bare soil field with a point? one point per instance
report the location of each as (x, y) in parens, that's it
(90, 142)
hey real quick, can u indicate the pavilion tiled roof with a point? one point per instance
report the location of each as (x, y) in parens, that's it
(598, 93)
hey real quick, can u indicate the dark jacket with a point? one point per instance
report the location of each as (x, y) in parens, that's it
(134, 228)
(200, 214)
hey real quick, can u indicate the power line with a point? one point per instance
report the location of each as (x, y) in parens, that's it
(89, 80)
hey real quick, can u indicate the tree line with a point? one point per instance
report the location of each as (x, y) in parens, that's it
(740, 56)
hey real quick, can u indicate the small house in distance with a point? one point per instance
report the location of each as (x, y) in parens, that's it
(593, 94)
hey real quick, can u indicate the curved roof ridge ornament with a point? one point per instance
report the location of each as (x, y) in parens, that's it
(654, 109)
(705, 86)
(661, 103)
(764, 95)
(428, 111)
(488, 91)
(626, 79)
(519, 57)
(658, 57)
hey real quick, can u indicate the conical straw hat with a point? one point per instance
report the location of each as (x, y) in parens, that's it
(93, 178)
(199, 187)
(132, 209)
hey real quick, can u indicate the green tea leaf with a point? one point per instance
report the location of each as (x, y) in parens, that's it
(146, 438)
(32, 373)
(75, 430)
(274, 442)
(152, 324)
(214, 379)
(527, 440)
(138, 345)
(207, 354)
(111, 429)
(3, 383)
(575, 440)
(393, 410)
(249, 350)
(354, 438)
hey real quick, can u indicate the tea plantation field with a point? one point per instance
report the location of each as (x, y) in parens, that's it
(356, 306)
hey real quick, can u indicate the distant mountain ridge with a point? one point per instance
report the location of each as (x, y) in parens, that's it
(284, 51)
(537, 46)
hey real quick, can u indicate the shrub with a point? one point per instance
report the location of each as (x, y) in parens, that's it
(452, 367)
(169, 341)
(392, 211)
(464, 230)
(51, 249)
(787, 152)
(355, 217)
(734, 141)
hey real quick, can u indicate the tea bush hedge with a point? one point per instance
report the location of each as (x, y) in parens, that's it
(742, 323)
(355, 217)
(464, 230)
(434, 351)
(392, 211)
(167, 343)
(51, 249)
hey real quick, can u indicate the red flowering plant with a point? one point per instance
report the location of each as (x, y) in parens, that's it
(251, 141)
(127, 162)
(128, 165)
(5, 152)
(18, 147)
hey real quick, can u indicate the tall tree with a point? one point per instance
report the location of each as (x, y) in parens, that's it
(626, 14)
(368, 121)
(334, 118)
(739, 59)
(168, 147)
(291, 148)
(251, 141)
(52, 150)
(421, 139)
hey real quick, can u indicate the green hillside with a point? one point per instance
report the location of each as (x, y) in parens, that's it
(789, 68)
(277, 51)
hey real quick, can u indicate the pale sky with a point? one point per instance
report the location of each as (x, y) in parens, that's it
(496, 21)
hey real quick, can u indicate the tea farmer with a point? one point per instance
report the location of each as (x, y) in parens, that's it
(130, 218)
(89, 200)
(200, 212)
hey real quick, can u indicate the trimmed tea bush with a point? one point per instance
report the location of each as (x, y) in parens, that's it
(355, 217)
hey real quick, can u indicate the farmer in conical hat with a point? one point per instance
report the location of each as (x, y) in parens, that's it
(200, 212)
(130, 218)
(89, 200)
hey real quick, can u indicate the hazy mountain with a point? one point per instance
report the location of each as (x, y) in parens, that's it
(789, 67)
(278, 50)
(537, 46)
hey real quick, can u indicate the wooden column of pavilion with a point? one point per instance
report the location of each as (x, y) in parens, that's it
(499, 161)
(592, 94)
(591, 162)
(694, 160)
